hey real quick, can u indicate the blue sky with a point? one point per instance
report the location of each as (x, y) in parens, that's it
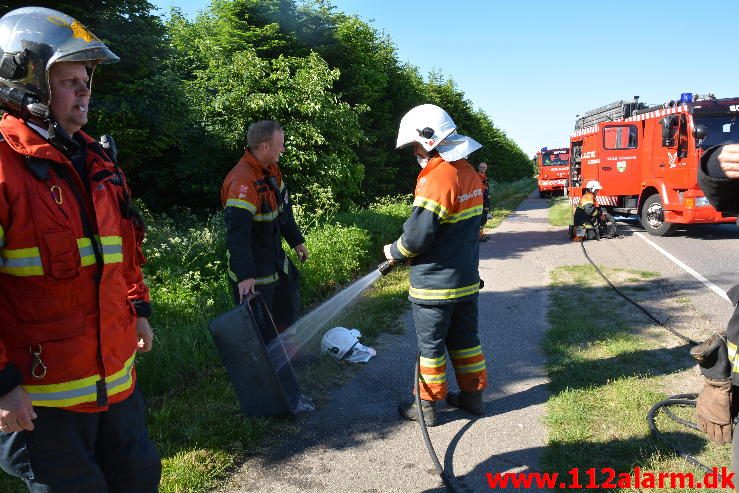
(534, 65)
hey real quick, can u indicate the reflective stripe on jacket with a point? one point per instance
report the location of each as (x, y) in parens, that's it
(441, 234)
(256, 220)
(66, 293)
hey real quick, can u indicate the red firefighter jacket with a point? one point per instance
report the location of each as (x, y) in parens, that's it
(258, 214)
(441, 234)
(69, 275)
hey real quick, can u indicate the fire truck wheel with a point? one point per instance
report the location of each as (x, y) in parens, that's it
(653, 215)
(543, 195)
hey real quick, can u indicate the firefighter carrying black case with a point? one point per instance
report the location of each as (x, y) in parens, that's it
(256, 362)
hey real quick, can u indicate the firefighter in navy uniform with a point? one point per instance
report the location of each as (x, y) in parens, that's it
(718, 177)
(73, 304)
(440, 239)
(588, 214)
(258, 215)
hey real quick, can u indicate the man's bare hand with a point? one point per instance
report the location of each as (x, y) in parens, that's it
(245, 287)
(729, 159)
(16, 411)
(302, 252)
(146, 335)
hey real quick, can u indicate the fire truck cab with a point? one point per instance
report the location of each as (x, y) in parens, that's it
(647, 158)
(554, 167)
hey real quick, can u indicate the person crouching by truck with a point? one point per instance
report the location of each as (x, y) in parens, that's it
(718, 177)
(440, 239)
(597, 223)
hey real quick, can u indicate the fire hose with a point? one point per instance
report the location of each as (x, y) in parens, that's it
(385, 268)
(684, 400)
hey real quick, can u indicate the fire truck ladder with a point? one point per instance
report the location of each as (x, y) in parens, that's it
(608, 113)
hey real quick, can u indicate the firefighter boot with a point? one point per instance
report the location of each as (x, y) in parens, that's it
(469, 401)
(409, 411)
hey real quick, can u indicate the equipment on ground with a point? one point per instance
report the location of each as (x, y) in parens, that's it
(647, 158)
(553, 166)
(256, 361)
(343, 344)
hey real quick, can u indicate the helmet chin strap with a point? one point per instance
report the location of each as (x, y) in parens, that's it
(59, 138)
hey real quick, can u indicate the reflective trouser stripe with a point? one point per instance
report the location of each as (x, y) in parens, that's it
(444, 294)
(81, 391)
(432, 378)
(469, 368)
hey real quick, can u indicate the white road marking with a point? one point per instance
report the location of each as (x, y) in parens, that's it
(686, 268)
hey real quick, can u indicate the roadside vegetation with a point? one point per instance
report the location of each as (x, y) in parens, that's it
(608, 364)
(505, 197)
(560, 212)
(194, 415)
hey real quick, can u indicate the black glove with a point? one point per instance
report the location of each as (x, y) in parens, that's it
(713, 357)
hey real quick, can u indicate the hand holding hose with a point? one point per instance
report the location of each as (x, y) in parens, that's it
(386, 266)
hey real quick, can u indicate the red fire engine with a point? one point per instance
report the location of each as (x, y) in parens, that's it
(554, 168)
(646, 158)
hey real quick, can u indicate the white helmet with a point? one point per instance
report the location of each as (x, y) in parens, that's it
(342, 343)
(426, 124)
(593, 186)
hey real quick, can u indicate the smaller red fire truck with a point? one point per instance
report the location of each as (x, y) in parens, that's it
(646, 158)
(554, 168)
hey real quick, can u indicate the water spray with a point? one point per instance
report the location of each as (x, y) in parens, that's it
(305, 328)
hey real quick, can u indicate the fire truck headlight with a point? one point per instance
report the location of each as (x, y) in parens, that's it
(701, 202)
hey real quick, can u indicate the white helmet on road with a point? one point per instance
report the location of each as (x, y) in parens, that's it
(343, 343)
(593, 186)
(426, 124)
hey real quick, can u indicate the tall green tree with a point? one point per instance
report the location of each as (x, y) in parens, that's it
(234, 84)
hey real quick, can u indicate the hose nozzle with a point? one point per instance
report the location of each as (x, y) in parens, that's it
(386, 266)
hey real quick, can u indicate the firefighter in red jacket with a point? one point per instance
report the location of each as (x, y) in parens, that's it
(73, 304)
(440, 239)
(258, 215)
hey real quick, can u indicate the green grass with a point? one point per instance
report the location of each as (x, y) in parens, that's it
(560, 212)
(194, 415)
(606, 369)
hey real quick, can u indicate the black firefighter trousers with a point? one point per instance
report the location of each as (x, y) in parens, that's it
(70, 452)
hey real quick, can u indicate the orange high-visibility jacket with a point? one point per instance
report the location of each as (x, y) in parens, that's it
(66, 293)
(441, 234)
(258, 215)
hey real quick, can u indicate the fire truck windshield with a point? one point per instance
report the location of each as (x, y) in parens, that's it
(555, 160)
(720, 130)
